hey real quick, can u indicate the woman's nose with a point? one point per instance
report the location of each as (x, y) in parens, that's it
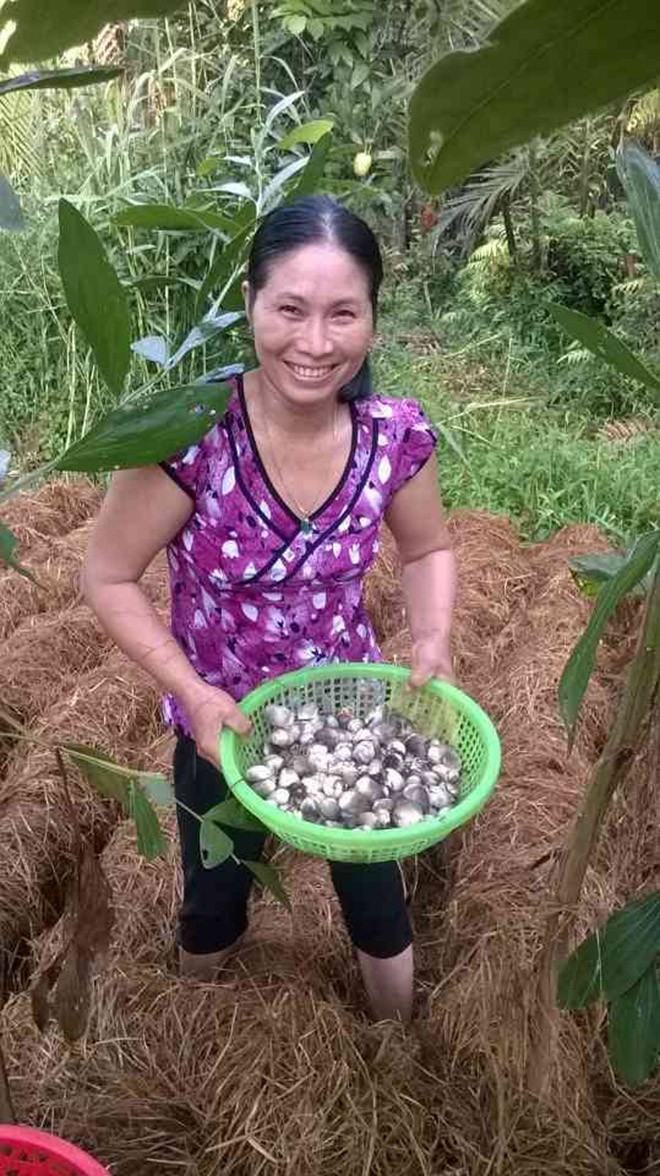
(316, 338)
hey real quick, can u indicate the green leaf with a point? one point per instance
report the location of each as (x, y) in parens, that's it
(44, 30)
(280, 106)
(8, 545)
(603, 343)
(296, 24)
(202, 332)
(155, 348)
(100, 770)
(231, 812)
(473, 106)
(577, 671)
(149, 282)
(94, 294)
(60, 79)
(640, 176)
(633, 1034)
(611, 960)
(270, 879)
(148, 431)
(279, 180)
(169, 218)
(592, 571)
(225, 262)
(131, 789)
(450, 437)
(11, 217)
(360, 74)
(156, 786)
(151, 841)
(313, 173)
(214, 845)
(309, 132)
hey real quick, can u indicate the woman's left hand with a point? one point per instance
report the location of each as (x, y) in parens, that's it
(431, 658)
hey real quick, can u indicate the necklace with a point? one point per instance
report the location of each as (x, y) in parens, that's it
(306, 524)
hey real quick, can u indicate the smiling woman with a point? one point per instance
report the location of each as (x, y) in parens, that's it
(271, 522)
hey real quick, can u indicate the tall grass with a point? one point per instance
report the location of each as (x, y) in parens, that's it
(518, 434)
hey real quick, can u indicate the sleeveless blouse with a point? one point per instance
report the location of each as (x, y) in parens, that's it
(254, 591)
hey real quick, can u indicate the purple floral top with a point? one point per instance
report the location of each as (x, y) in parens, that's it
(253, 593)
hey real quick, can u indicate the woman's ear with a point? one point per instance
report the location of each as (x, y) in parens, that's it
(245, 291)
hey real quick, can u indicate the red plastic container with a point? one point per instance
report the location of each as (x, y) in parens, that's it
(26, 1152)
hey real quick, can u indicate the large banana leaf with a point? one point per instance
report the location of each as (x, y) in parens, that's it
(633, 1034)
(640, 176)
(94, 294)
(60, 79)
(610, 961)
(143, 433)
(580, 664)
(603, 343)
(43, 30)
(546, 63)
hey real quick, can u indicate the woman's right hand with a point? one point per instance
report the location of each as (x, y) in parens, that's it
(208, 711)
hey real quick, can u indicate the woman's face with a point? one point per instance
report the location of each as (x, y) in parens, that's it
(312, 322)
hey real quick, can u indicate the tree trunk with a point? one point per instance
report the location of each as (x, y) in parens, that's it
(640, 690)
(535, 194)
(508, 228)
(584, 168)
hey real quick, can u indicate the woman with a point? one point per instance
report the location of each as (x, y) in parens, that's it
(270, 523)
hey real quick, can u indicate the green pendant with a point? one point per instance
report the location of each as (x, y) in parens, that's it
(305, 526)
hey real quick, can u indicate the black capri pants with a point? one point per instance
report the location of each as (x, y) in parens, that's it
(214, 909)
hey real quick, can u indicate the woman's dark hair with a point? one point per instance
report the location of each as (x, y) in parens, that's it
(304, 222)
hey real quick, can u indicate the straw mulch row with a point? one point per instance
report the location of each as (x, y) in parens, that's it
(112, 708)
(276, 1069)
(63, 679)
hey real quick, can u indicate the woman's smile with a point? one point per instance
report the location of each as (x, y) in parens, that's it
(311, 375)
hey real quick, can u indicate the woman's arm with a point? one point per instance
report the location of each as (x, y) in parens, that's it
(141, 512)
(416, 519)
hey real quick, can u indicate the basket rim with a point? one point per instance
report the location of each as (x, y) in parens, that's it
(51, 1146)
(362, 840)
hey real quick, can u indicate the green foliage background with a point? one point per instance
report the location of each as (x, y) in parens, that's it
(464, 324)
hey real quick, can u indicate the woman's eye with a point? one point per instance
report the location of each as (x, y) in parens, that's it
(344, 314)
(292, 310)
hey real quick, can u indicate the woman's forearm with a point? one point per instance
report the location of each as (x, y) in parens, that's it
(429, 588)
(129, 618)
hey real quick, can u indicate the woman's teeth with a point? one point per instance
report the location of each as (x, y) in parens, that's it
(309, 373)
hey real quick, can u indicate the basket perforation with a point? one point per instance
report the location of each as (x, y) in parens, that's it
(438, 709)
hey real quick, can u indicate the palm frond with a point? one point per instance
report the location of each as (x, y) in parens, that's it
(481, 197)
(575, 355)
(644, 119)
(19, 153)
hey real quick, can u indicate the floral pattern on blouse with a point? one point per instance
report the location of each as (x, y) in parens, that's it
(253, 593)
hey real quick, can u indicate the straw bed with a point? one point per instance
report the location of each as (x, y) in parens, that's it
(275, 1070)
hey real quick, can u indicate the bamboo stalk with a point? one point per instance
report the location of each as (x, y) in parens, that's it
(641, 688)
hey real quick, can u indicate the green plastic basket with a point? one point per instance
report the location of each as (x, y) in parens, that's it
(438, 709)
